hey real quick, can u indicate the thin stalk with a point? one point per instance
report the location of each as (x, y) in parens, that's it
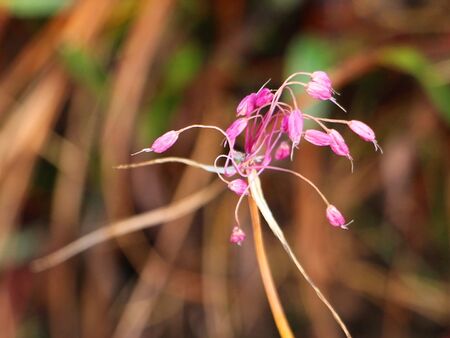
(269, 286)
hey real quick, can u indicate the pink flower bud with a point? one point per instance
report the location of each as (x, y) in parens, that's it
(263, 97)
(338, 144)
(335, 217)
(321, 78)
(365, 132)
(164, 142)
(317, 137)
(239, 186)
(319, 90)
(283, 151)
(295, 126)
(247, 105)
(237, 236)
(362, 130)
(235, 129)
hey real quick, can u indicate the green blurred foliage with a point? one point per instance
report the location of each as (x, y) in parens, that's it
(35, 8)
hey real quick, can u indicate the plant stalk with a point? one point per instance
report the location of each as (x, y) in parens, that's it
(266, 275)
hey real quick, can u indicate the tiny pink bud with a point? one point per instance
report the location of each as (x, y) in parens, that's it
(321, 77)
(317, 137)
(338, 144)
(246, 106)
(319, 90)
(335, 217)
(295, 126)
(239, 186)
(283, 151)
(236, 128)
(263, 97)
(237, 236)
(164, 142)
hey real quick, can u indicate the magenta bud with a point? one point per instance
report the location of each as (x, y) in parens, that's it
(239, 186)
(285, 124)
(164, 142)
(263, 97)
(338, 144)
(236, 128)
(237, 236)
(295, 126)
(317, 137)
(282, 151)
(321, 78)
(246, 106)
(319, 90)
(335, 217)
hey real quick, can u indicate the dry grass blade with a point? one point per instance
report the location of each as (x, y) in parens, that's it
(145, 220)
(256, 192)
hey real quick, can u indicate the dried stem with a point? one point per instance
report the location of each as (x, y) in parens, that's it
(272, 295)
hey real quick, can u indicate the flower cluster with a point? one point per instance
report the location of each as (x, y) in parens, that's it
(272, 129)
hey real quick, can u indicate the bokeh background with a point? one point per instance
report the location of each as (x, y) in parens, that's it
(85, 83)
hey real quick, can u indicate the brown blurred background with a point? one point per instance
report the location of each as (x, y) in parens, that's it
(85, 83)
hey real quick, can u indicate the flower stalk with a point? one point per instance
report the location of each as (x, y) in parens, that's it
(266, 275)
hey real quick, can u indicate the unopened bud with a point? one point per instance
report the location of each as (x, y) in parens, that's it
(317, 137)
(237, 236)
(239, 186)
(246, 106)
(164, 142)
(282, 151)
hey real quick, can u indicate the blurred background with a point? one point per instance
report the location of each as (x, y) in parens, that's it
(85, 83)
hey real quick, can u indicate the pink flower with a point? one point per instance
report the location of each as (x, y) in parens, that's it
(321, 78)
(239, 186)
(295, 126)
(235, 129)
(362, 130)
(282, 151)
(317, 137)
(237, 236)
(338, 144)
(319, 90)
(335, 217)
(246, 106)
(285, 124)
(365, 132)
(164, 142)
(263, 97)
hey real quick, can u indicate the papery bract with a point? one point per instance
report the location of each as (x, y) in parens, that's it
(246, 106)
(317, 137)
(237, 236)
(295, 126)
(282, 151)
(239, 186)
(164, 142)
(263, 97)
(335, 217)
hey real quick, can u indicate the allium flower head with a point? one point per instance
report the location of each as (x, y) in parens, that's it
(272, 127)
